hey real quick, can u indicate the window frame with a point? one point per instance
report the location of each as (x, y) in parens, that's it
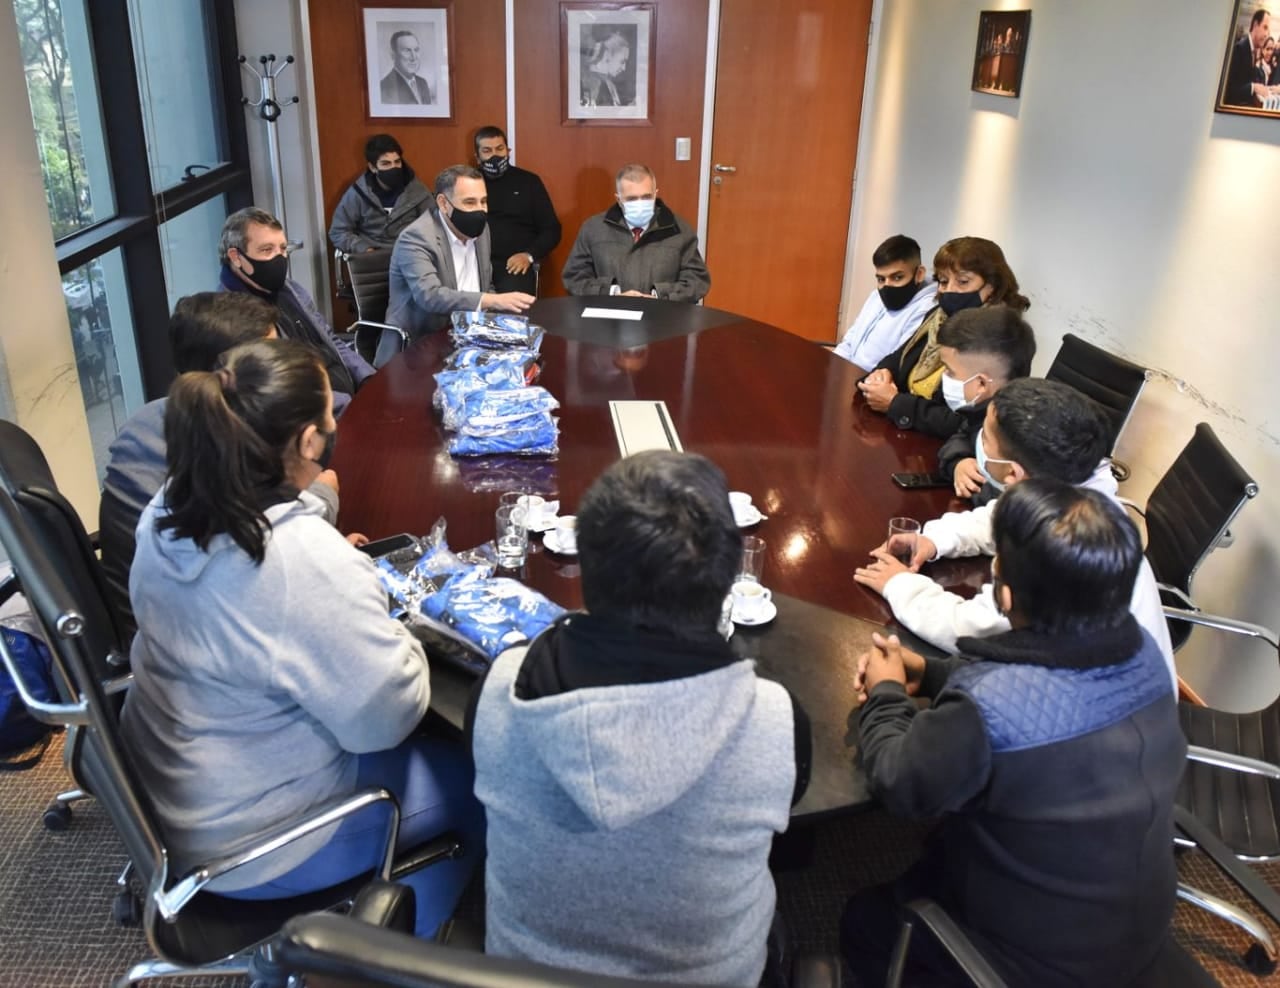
(140, 210)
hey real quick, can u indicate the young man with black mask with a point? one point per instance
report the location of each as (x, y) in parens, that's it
(903, 297)
(1052, 753)
(254, 253)
(381, 202)
(522, 222)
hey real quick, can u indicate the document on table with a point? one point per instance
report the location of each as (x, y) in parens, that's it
(641, 425)
(592, 312)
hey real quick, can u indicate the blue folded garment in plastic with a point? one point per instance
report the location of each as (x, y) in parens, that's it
(452, 387)
(495, 331)
(483, 410)
(537, 435)
(495, 613)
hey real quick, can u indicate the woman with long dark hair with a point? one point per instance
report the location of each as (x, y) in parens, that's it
(268, 676)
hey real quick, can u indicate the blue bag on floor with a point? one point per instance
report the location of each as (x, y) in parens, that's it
(18, 729)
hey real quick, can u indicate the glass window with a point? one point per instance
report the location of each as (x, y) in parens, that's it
(179, 89)
(106, 356)
(189, 246)
(63, 90)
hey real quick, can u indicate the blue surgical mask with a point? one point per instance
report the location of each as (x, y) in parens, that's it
(980, 454)
(953, 392)
(638, 212)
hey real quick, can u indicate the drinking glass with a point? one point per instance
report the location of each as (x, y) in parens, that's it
(511, 536)
(752, 558)
(903, 533)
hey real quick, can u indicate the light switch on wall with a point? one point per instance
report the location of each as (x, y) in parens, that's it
(684, 148)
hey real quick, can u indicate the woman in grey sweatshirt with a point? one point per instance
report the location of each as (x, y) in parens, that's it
(268, 677)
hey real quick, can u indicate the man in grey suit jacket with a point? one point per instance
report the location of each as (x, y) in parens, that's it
(441, 261)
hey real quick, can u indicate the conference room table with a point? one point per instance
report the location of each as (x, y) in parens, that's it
(779, 414)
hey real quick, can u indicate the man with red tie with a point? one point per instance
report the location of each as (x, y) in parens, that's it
(637, 247)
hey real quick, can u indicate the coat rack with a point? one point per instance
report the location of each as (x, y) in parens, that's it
(269, 109)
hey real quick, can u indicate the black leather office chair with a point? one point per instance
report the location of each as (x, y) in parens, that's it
(347, 952)
(1173, 967)
(192, 932)
(1113, 382)
(25, 476)
(1188, 515)
(369, 279)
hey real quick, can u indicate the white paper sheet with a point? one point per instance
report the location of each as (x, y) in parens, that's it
(635, 315)
(641, 425)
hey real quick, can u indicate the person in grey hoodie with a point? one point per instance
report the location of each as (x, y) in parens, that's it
(268, 676)
(384, 200)
(633, 770)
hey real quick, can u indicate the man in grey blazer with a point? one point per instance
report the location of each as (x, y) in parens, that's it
(441, 261)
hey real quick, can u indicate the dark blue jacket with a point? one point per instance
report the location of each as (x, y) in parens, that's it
(1054, 762)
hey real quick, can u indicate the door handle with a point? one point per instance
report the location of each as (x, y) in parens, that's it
(726, 169)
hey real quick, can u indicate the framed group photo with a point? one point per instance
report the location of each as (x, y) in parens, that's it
(1250, 81)
(407, 62)
(1001, 52)
(606, 54)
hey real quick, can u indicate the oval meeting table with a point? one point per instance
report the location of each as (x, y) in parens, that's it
(776, 412)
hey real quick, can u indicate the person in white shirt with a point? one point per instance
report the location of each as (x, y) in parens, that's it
(441, 262)
(903, 297)
(1033, 428)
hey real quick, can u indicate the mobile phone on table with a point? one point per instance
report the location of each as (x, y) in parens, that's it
(390, 544)
(917, 481)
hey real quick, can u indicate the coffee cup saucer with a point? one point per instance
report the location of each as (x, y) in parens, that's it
(768, 611)
(546, 519)
(552, 541)
(748, 516)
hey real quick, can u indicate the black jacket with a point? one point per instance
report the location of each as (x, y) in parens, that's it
(1054, 761)
(521, 217)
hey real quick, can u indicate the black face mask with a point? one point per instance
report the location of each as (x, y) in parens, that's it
(392, 179)
(495, 167)
(953, 302)
(468, 222)
(326, 454)
(270, 275)
(896, 297)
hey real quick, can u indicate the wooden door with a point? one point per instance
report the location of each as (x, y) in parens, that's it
(784, 141)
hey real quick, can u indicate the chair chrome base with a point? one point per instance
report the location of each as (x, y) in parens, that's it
(1232, 914)
(156, 968)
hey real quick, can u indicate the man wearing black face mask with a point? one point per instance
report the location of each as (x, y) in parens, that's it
(254, 254)
(522, 222)
(442, 262)
(903, 297)
(381, 203)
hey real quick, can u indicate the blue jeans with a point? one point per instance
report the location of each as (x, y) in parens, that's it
(432, 780)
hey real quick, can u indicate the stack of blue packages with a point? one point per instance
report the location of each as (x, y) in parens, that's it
(495, 613)
(484, 394)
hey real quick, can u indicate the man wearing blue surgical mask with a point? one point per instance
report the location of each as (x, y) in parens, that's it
(638, 247)
(1032, 428)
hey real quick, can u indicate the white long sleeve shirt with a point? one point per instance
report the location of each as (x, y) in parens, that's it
(877, 332)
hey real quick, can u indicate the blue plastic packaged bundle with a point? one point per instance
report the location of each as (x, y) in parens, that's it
(488, 412)
(490, 474)
(536, 435)
(452, 388)
(495, 331)
(474, 356)
(494, 613)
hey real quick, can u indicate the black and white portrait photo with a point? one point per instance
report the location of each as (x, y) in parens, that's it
(407, 62)
(607, 61)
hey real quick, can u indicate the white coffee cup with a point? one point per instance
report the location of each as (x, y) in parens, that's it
(750, 600)
(534, 507)
(740, 501)
(567, 532)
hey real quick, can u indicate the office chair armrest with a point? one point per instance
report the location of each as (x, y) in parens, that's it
(356, 326)
(1237, 763)
(342, 948)
(952, 939)
(171, 903)
(339, 261)
(118, 685)
(9, 587)
(1225, 624)
(389, 905)
(1181, 595)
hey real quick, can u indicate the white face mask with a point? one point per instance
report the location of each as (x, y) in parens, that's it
(638, 212)
(953, 392)
(980, 454)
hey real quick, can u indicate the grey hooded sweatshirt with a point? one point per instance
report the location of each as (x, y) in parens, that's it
(256, 685)
(630, 826)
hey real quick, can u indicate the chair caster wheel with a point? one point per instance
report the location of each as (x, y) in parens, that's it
(1258, 961)
(57, 816)
(126, 909)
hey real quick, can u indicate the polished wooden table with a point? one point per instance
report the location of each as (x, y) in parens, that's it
(777, 413)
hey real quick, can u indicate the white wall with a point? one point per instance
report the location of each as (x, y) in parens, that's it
(1133, 215)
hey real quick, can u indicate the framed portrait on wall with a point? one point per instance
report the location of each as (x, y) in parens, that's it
(407, 63)
(1250, 82)
(606, 56)
(1001, 51)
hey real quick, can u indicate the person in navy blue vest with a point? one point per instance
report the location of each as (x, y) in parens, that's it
(1051, 753)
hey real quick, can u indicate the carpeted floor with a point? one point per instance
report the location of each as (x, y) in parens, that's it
(56, 929)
